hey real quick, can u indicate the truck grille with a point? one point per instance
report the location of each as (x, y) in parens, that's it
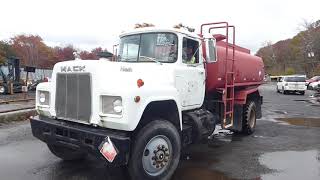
(73, 96)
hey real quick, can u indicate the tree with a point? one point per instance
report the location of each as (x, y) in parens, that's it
(93, 55)
(301, 53)
(32, 50)
(267, 53)
(290, 71)
(85, 55)
(64, 53)
(6, 51)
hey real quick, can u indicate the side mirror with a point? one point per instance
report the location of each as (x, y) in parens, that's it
(211, 53)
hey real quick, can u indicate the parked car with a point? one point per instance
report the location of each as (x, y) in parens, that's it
(314, 85)
(312, 80)
(289, 84)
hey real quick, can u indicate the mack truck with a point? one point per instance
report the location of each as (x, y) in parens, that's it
(168, 88)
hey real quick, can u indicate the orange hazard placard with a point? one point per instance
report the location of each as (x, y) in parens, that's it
(108, 150)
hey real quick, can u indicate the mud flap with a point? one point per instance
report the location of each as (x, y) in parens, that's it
(238, 117)
(258, 105)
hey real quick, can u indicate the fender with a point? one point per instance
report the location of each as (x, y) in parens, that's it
(241, 95)
(44, 109)
(162, 95)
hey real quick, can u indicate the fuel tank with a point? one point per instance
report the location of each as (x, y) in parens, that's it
(248, 69)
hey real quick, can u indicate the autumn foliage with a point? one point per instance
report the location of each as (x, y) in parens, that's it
(32, 51)
(300, 54)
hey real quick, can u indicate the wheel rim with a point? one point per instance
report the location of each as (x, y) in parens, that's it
(252, 118)
(157, 155)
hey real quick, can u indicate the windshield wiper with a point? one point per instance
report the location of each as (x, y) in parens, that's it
(127, 59)
(151, 59)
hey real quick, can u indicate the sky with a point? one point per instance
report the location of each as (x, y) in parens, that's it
(91, 23)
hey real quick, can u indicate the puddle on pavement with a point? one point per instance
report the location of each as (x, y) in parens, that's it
(197, 165)
(292, 165)
(308, 122)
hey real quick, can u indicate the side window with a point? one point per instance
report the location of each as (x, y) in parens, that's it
(211, 51)
(190, 51)
(129, 48)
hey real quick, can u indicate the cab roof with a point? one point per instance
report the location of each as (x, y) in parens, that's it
(159, 29)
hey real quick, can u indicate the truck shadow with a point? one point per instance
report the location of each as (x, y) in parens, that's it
(195, 163)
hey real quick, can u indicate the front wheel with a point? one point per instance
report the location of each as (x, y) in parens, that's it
(156, 151)
(284, 91)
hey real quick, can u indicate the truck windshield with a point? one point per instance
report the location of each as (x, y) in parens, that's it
(295, 79)
(149, 47)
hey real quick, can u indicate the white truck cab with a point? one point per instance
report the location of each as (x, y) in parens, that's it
(108, 94)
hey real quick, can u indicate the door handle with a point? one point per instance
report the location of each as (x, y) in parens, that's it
(201, 72)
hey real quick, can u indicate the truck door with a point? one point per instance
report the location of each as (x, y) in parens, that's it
(191, 75)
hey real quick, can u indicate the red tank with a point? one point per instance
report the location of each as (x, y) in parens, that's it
(249, 69)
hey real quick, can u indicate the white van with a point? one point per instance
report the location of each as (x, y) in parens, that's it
(288, 84)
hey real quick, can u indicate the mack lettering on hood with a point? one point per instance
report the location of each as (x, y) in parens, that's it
(73, 68)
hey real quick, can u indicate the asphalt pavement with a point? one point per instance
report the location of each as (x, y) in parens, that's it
(286, 145)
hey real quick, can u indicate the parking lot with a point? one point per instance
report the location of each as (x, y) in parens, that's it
(284, 146)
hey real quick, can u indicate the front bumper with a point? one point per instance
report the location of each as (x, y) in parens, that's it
(83, 137)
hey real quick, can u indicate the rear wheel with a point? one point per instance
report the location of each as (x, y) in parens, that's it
(156, 151)
(249, 118)
(65, 153)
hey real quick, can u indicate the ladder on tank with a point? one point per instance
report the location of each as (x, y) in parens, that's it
(229, 80)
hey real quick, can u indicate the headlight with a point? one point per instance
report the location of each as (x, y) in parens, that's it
(1, 89)
(44, 98)
(111, 105)
(117, 106)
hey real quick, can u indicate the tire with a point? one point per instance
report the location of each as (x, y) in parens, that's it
(284, 91)
(302, 92)
(67, 154)
(150, 148)
(308, 87)
(249, 118)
